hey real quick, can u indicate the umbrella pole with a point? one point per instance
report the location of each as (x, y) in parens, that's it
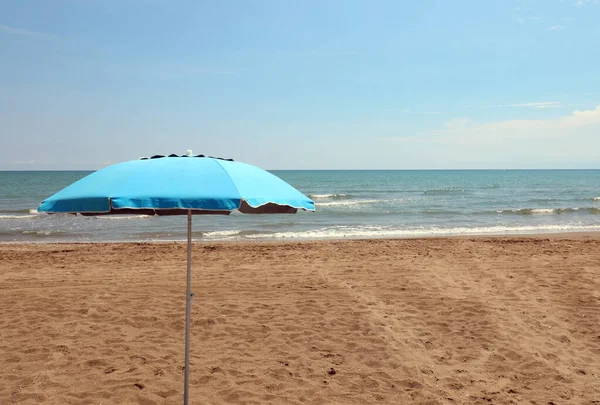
(189, 295)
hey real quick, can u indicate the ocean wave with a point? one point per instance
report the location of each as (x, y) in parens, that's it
(444, 190)
(549, 211)
(46, 232)
(325, 233)
(350, 232)
(440, 212)
(349, 203)
(180, 234)
(17, 216)
(18, 211)
(595, 199)
(542, 200)
(122, 217)
(334, 196)
(225, 233)
(229, 234)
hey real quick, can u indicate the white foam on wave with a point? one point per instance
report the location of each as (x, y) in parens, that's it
(17, 216)
(122, 217)
(354, 203)
(543, 211)
(43, 232)
(221, 234)
(445, 190)
(549, 211)
(349, 232)
(347, 203)
(323, 196)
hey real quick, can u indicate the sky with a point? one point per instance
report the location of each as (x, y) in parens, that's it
(299, 84)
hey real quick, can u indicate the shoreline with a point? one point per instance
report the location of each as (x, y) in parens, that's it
(258, 241)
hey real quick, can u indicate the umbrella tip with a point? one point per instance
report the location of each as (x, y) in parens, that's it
(189, 152)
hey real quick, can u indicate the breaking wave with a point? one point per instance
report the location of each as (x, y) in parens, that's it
(122, 217)
(348, 203)
(444, 190)
(334, 196)
(16, 216)
(357, 232)
(550, 211)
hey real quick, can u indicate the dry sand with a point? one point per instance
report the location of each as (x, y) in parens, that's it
(508, 320)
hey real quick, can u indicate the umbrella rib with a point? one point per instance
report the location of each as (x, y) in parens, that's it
(232, 182)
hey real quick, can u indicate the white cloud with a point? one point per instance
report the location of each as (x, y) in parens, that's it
(539, 104)
(567, 141)
(526, 128)
(557, 28)
(25, 33)
(581, 3)
(535, 104)
(581, 118)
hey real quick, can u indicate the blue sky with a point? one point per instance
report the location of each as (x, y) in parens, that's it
(287, 84)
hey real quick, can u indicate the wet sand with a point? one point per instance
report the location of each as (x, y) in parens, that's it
(503, 320)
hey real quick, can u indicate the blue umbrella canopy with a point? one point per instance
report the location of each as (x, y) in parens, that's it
(179, 185)
(175, 184)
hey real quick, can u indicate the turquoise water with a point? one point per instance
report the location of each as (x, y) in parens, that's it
(350, 204)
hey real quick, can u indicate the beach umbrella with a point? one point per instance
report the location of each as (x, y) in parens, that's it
(179, 185)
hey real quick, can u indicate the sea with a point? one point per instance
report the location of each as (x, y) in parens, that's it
(349, 204)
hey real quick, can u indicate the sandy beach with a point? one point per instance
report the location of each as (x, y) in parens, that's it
(502, 320)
